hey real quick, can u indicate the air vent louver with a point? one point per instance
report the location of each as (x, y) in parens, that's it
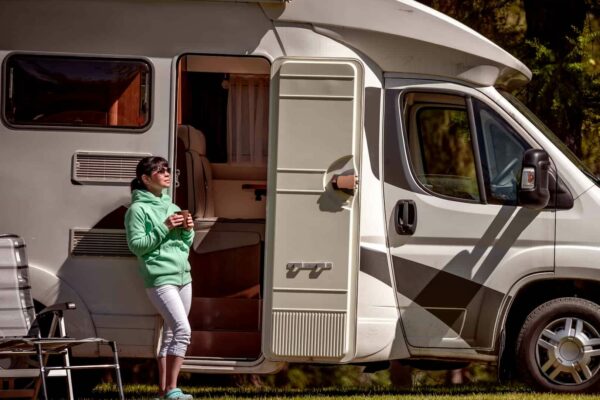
(105, 168)
(309, 334)
(99, 242)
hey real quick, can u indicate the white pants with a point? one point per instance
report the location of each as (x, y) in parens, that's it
(173, 304)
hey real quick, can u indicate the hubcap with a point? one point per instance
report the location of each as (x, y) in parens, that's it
(568, 351)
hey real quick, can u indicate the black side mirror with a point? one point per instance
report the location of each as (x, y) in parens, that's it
(533, 192)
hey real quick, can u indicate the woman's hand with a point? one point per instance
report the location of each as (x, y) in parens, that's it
(189, 223)
(174, 221)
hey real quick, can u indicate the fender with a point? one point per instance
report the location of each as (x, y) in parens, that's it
(49, 289)
(512, 294)
(573, 261)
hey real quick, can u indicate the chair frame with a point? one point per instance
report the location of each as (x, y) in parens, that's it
(42, 347)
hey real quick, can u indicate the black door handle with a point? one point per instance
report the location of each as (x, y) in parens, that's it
(405, 217)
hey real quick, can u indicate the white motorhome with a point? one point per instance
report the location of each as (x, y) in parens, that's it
(364, 189)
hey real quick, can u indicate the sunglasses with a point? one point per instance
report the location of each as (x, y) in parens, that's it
(163, 170)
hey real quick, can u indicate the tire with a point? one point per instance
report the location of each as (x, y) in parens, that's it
(558, 348)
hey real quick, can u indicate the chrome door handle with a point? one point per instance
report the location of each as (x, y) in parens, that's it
(315, 266)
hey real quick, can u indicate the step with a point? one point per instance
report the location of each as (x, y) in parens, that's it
(224, 344)
(229, 314)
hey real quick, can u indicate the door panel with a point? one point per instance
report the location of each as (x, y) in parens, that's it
(453, 272)
(312, 259)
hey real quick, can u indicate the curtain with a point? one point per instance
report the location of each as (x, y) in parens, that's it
(247, 119)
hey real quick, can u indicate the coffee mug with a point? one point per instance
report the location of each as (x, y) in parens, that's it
(184, 214)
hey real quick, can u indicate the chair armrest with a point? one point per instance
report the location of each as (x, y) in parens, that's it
(56, 310)
(57, 307)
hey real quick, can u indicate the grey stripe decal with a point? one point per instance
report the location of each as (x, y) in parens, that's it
(375, 263)
(429, 288)
(372, 115)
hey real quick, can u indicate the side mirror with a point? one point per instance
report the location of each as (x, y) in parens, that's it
(533, 192)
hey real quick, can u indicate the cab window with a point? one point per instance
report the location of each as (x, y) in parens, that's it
(501, 150)
(440, 145)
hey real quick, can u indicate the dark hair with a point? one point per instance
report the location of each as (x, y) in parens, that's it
(146, 166)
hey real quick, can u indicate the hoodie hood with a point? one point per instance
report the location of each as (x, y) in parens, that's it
(144, 196)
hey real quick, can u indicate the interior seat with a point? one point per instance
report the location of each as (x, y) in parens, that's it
(212, 233)
(198, 172)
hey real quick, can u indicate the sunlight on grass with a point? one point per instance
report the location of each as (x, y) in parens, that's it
(484, 392)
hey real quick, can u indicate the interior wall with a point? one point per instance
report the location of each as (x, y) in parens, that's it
(227, 64)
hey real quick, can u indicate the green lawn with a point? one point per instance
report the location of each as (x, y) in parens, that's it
(484, 392)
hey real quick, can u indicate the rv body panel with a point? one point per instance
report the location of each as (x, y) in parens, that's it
(161, 29)
(576, 249)
(379, 331)
(108, 287)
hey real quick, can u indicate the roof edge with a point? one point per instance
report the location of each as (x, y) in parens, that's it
(409, 19)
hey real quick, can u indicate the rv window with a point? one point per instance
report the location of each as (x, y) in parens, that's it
(441, 151)
(76, 92)
(501, 150)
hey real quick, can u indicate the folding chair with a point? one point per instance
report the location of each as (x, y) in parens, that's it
(20, 333)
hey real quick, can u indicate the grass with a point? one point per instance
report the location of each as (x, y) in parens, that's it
(483, 392)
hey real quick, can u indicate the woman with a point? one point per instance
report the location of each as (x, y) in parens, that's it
(157, 236)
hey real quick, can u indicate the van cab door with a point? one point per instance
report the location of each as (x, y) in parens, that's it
(457, 238)
(312, 236)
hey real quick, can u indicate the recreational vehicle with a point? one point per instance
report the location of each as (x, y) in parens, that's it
(363, 185)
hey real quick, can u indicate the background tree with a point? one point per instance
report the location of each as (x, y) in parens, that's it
(560, 41)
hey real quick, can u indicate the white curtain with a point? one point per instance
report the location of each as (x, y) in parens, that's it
(248, 119)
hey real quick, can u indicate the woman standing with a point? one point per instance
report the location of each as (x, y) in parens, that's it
(161, 240)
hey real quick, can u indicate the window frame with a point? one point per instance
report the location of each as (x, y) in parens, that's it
(80, 128)
(399, 109)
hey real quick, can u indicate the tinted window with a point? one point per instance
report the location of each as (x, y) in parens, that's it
(87, 92)
(501, 155)
(441, 149)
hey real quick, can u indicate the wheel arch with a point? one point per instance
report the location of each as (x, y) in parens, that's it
(48, 289)
(525, 297)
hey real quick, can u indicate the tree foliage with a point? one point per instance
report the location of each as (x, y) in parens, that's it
(560, 41)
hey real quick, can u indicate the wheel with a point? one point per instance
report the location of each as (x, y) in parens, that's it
(558, 348)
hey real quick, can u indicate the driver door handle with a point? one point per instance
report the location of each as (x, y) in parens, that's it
(405, 217)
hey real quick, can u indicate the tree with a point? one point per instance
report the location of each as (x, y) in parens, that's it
(560, 41)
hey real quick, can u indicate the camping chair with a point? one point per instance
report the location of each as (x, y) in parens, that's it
(20, 333)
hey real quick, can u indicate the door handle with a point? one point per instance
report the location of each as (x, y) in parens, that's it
(346, 183)
(405, 217)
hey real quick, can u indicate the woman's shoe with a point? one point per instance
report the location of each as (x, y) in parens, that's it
(177, 394)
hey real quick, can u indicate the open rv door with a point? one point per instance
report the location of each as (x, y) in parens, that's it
(311, 266)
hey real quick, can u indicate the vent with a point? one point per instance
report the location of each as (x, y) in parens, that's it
(107, 168)
(309, 334)
(99, 242)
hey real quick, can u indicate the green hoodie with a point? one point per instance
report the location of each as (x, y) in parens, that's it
(163, 253)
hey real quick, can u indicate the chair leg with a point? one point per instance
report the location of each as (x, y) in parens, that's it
(67, 363)
(117, 369)
(42, 370)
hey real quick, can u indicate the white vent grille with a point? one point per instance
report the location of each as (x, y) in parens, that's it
(99, 242)
(309, 334)
(105, 167)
